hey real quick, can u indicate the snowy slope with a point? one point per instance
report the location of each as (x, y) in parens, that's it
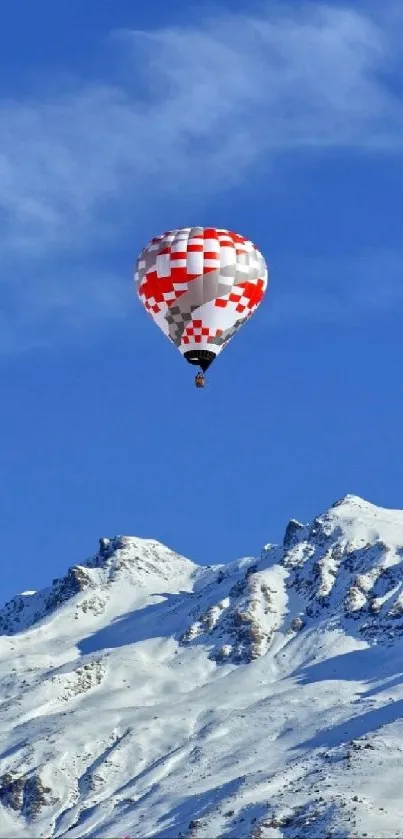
(145, 696)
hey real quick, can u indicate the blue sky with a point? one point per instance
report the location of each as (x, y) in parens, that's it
(119, 120)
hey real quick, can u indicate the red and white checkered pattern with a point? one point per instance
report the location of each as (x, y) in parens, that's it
(196, 333)
(245, 296)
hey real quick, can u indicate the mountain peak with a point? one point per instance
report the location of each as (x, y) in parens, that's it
(355, 503)
(360, 522)
(120, 562)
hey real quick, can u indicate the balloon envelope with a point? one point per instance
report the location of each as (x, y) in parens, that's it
(200, 284)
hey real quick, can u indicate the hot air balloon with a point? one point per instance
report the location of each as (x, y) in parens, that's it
(200, 284)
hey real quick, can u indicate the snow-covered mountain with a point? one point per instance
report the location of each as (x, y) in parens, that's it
(142, 695)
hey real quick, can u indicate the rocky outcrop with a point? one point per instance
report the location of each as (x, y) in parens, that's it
(26, 795)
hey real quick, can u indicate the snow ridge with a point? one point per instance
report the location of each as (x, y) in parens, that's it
(143, 695)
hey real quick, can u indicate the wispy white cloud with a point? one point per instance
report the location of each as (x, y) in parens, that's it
(203, 104)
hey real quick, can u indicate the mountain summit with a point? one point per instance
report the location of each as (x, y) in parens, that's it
(143, 695)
